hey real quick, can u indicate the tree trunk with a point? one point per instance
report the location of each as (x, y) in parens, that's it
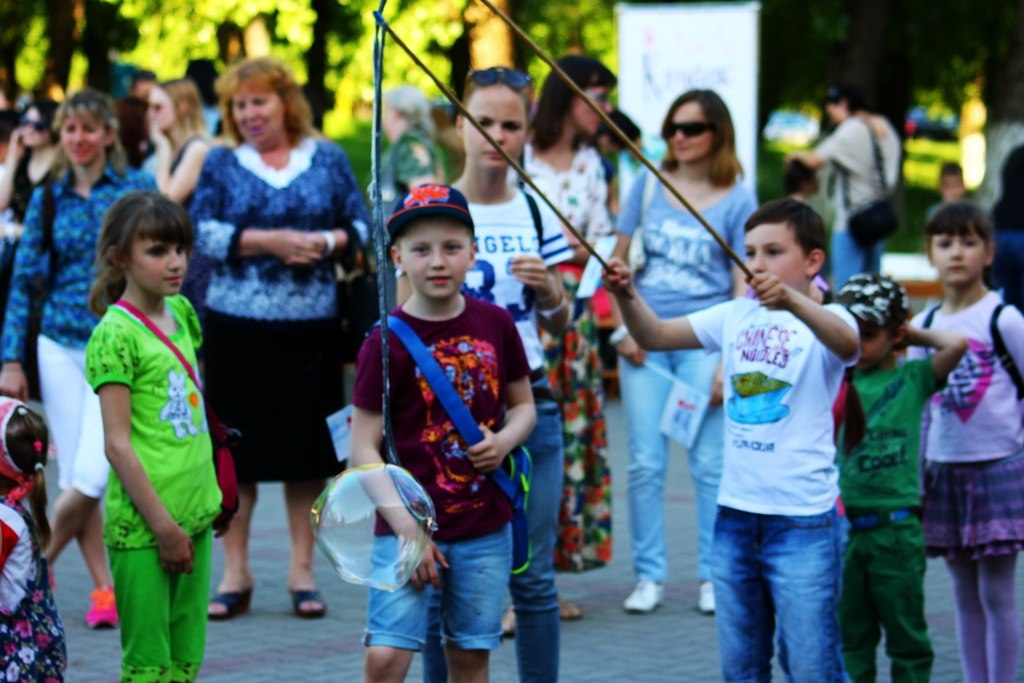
(316, 62)
(62, 31)
(229, 42)
(256, 38)
(1004, 99)
(857, 60)
(95, 44)
(12, 23)
(490, 39)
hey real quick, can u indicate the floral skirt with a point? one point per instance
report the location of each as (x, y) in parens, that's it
(574, 370)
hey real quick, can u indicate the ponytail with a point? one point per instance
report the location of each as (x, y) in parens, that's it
(37, 500)
(108, 286)
(28, 444)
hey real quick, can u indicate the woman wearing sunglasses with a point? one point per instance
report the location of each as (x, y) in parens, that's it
(563, 161)
(519, 246)
(29, 158)
(684, 270)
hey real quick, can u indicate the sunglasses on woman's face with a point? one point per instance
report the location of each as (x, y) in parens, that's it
(689, 129)
(516, 80)
(37, 124)
(599, 96)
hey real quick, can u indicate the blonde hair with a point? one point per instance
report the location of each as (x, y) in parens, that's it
(188, 108)
(99, 107)
(143, 214)
(28, 444)
(270, 74)
(724, 166)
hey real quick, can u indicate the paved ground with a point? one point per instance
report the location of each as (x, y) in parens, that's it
(674, 644)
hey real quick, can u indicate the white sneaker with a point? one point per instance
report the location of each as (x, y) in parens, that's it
(645, 598)
(706, 600)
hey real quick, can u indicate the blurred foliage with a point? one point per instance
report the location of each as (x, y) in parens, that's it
(952, 43)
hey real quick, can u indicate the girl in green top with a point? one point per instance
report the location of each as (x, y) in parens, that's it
(162, 497)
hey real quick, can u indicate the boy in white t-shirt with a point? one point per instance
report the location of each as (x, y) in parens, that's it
(776, 557)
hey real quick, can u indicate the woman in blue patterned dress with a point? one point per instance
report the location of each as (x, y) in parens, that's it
(272, 213)
(90, 172)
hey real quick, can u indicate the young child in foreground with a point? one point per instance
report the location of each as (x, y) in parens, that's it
(880, 481)
(974, 446)
(468, 564)
(163, 497)
(776, 557)
(31, 633)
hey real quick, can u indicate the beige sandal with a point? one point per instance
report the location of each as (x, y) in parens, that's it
(569, 611)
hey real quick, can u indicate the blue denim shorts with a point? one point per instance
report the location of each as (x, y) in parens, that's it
(471, 598)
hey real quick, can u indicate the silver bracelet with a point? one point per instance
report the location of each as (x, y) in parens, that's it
(620, 333)
(331, 243)
(552, 312)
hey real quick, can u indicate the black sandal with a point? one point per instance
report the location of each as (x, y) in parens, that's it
(304, 596)
(233, 602)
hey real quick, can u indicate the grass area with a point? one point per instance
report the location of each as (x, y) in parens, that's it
(920, 174)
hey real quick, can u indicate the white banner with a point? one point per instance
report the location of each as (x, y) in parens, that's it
(665, 50)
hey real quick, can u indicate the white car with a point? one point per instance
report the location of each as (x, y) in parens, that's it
(791, 126)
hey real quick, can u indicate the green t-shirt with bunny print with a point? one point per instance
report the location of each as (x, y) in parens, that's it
(169, 433)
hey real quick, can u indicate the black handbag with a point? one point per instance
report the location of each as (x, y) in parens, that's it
(878, 219)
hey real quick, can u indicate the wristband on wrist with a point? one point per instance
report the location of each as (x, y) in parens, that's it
(620, 333)
(331, 243)
(553, 311)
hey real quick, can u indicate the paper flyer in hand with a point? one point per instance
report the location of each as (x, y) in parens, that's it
(340, 424)
(591, 277)
(683, 413)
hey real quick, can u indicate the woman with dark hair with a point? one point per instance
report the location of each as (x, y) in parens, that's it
(58, 247)
(563, 161)
(684, 270)
(272, 214)
(30, 155)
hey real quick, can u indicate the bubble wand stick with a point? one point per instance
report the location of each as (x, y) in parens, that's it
(619, 134)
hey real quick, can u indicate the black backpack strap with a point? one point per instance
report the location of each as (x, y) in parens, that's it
(46, 246)
(1003, 354)
(538, 224)
(929, 317)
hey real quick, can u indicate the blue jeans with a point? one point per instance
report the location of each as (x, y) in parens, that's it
(466, 602)
(533, 591)
(1008, 266)
(644, 393)
(850, 258)
(772, 569)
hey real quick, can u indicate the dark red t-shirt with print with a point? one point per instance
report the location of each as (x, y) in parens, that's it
(480, 349)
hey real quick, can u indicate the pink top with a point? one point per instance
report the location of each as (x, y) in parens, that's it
(977, 416)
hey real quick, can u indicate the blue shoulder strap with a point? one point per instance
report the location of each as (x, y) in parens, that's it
(435, 376)
(445, 393)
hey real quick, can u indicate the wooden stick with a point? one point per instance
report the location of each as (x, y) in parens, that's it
(487, 136)
(619, 134)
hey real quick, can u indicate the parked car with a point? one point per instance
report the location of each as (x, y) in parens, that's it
(785, 125)
(919, 123)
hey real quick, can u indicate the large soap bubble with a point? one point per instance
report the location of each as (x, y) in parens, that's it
(374, 523)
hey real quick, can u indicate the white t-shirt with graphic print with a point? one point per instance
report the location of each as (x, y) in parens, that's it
(504, 232)
(780, 383)
(977, 415)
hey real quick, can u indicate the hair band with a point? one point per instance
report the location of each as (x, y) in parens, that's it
(40, 467)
